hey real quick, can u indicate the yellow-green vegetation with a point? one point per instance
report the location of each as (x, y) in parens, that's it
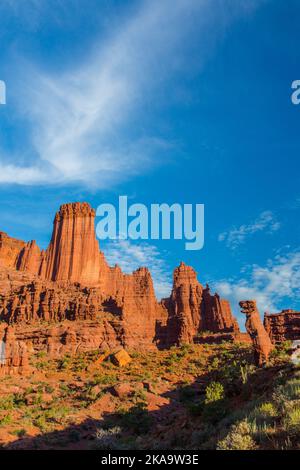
(204, 396)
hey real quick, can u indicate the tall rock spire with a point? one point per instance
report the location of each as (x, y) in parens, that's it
(73, 253)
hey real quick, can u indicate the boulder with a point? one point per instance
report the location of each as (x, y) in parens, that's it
(121, 358)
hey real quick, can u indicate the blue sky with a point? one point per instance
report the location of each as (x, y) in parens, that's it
(164, 101)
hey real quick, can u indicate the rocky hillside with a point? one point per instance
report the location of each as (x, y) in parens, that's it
(189, 397)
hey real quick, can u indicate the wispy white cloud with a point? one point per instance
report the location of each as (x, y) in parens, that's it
(272, 285)
(293, 205)
(130, 256)
(83, 121)
(266, 222)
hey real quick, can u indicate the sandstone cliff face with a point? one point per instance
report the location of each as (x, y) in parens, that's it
(70, 337)
(13, 353)
(217, 315)
(283, 326)
(39, 301)
(132, 312)
(67, 297)
(141, 312)
(10, 249)
(30, 258)
(193, 309)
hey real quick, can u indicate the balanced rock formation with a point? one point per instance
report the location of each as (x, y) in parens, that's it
(261, 342)
(283, 326)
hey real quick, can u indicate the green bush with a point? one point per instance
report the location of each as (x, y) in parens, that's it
(136, 419)
(238, 438)
(108, 439)
(7, 403)
(5, 420)
(214, 392)
(267, 410)
(291, 420)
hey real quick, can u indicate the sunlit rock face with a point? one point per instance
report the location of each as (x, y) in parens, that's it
(67, 298)
(283, 326)
(192, 309)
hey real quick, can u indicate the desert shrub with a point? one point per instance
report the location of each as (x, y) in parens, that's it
(41, 354)
(268, 410)
(186, 349)
(65, 389)
(7, 403)
(231, 374)
(37, 399)
(47, 420)
(292, 389)
(79, 365)
(238, 438)
(186, 394)
(215, 411)
(42, 365)
(214, 392)
(200, 436)
(281, 352)
(108, 439)
(214, 406)
(288, 392)
(49, 389)
(195, 408)
(265, 411)
(104, 379)
(291, 420)
(64, 363)
(41, 422)
(246, 370)
(19, 400)
(20, 432)
(173, 359)
(215, 364)
(5, 420)
(139, 396)
(136, 419)
(92, 393)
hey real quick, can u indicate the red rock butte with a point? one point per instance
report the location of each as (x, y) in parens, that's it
(68, 299)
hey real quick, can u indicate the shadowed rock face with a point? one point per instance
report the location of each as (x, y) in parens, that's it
(261, 342)
(72, 282)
